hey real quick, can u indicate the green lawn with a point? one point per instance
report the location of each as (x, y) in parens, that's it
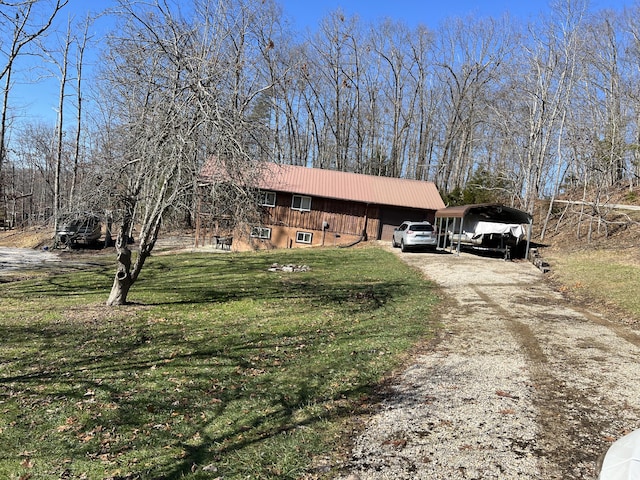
(219, 368)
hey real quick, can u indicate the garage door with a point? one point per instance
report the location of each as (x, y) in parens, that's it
(393, 217)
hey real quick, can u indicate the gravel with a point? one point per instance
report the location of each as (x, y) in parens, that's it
(519, 385)
(12, 259)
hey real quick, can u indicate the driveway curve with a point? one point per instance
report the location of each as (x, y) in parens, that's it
(15, 259)
(519, 385)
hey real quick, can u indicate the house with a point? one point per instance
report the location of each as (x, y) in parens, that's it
(489, 227)
(304, 206)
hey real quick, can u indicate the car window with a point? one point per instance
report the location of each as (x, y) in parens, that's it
(403, 227)
(422, 228)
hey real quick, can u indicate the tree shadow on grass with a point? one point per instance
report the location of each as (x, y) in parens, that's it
(140, 383)
(224, 283)
(171, 398)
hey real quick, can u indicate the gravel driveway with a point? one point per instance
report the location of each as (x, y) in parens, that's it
(520, 384)
(13, 259)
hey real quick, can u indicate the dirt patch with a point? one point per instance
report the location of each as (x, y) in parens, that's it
(522, 384)
(31, 238)
(25, 253)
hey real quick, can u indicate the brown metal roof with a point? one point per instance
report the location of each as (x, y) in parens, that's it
(316, 182)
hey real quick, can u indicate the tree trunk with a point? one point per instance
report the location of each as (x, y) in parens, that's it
(76, 147)
(57, 201)
(123, 279)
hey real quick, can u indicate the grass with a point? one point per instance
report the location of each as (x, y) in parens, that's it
(605, 277)
(219, 368)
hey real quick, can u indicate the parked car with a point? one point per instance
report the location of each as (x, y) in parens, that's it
(414, 234)
(72, 230)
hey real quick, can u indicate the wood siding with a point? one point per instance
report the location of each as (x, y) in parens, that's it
(348, 218)
(346, 221)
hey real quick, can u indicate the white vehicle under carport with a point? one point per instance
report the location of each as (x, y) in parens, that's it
(414, 235)
(485, 227)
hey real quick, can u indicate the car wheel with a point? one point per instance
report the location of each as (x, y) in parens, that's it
(393, 242)
(402, 247)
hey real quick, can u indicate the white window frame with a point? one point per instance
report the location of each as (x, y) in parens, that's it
(301, 201)
(263, 233)
(265, 197)
(304, 237)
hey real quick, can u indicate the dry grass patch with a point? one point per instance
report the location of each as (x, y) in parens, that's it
(604, 279)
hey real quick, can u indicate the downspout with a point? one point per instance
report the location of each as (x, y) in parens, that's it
(366, 223)
(325, 227)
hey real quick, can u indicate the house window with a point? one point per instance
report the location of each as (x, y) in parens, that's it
(303, 237)
(261, 232)
(267, 199)
(301, 203)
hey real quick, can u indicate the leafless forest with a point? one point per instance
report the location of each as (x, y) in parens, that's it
(516, 110)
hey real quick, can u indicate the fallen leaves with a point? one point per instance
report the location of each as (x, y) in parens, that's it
(70, 423)
(502, 393)
(397, 443)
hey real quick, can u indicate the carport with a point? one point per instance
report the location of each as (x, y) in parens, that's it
(488, 226)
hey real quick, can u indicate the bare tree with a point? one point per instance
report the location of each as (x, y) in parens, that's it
(63, 66)
(329, 74)
(603, 67)
(541, 94)
(632, 27)
(423, 146)
(471, 55)
(82, 44)
(293, 142)
(390, 43)
(23, 22)
(32, 173)
(182, 94)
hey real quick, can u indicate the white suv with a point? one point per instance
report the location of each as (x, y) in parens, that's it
(414, 234)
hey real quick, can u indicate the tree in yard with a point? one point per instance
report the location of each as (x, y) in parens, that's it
(63, 70)
(181, 90)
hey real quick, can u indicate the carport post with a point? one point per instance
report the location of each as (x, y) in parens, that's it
(446, 232)
(439, 227)
(453, 227)
(446, 235)
(526, 255)
(460, 235)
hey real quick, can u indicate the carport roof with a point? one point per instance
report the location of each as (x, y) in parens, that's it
(493, 212)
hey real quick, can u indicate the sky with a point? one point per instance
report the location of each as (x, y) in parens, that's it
(307, 14)
(37, 102)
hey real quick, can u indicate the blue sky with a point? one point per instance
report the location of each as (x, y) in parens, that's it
(431, 13)
(36, 101)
